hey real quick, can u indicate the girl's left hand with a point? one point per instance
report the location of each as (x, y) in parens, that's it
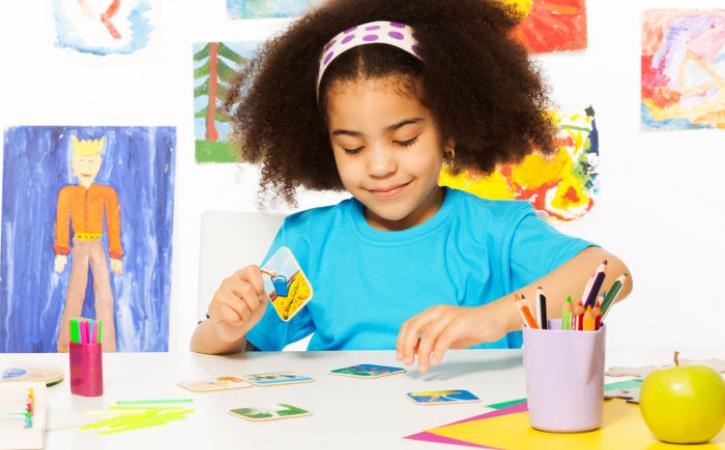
(429, 334)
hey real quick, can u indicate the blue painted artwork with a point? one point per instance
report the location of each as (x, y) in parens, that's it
(259, 9)
(87, 216)
(103, 28)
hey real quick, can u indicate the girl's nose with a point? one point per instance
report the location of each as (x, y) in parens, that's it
(381, 162)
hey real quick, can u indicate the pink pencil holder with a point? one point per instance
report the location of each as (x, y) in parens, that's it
(86, 369)
(564, 378)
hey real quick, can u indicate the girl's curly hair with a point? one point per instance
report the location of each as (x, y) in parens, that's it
(477, 81)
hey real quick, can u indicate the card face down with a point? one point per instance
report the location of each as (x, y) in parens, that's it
(272, 412)
(276, 378)
(287, 287)
(442, 397)
(368, 371)
(214, 384)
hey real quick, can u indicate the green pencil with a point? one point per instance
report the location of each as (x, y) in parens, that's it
(612, 294)
(100, 330)
(566, 314)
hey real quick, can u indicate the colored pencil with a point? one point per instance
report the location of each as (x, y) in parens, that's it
(587, 289)
(599, 276)
(597, 316)
(566, 312)
(525, 311)
(612, 294)
(588, 319)
(579, 316)
(543, 316)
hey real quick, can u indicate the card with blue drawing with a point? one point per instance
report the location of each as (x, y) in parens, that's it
(442, 397)
(368, 371)
(272, 412)
(214, 384)
(276, 378)
(285, 284)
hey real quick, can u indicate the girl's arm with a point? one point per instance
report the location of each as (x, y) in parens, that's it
(238, 304)
(443, 327)
(217, 338)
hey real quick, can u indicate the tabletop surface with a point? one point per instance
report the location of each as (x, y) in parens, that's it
(346, 412)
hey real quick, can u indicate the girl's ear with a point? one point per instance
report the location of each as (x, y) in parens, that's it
(449, 150)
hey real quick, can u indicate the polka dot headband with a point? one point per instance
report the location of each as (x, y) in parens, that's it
(380, 32)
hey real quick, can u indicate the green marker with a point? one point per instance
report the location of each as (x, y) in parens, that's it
(100, 330)
(75, 334)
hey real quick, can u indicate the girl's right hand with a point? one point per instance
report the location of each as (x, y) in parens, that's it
(239, 303)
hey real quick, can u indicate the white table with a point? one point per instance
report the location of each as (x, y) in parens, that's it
(347, 413)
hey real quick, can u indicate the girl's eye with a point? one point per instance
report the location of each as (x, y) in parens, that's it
(352, 151)
(407, 143)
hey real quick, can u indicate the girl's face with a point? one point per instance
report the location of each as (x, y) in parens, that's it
(388, 150)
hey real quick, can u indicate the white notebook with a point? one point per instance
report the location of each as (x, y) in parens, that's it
(13, 434)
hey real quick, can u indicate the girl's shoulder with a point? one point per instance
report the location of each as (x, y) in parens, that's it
(482, 210)
(316, 218)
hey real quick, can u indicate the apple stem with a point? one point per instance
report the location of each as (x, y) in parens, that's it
(677, 359)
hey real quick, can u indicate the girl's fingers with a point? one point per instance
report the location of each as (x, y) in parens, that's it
(444, 342)
(253, 276)
(410, 334)
(427, 342)
(225, 313)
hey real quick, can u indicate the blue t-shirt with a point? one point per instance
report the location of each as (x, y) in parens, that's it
(367, 282)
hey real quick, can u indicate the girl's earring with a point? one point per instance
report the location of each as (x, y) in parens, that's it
(449, 154)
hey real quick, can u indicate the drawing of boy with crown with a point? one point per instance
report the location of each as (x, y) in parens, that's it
(82, 207)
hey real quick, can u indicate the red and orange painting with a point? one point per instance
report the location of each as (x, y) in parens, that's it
(552, 25)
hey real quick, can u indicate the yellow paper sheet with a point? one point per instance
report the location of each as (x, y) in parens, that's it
(623, 429)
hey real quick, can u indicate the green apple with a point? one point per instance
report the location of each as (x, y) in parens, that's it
(683, 404)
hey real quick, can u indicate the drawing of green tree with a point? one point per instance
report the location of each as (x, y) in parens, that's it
(216, 65)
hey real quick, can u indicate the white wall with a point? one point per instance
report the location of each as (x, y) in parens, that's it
(660, 207)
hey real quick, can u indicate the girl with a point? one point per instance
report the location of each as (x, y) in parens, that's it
(373, 97)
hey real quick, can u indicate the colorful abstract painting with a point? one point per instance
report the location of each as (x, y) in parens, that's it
(215, 66)
(259, 9)
(103, 27)
(683, 69)
(552, 25)
(87, 216)
(563, 185)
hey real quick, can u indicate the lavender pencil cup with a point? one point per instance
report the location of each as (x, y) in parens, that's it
(86, 369)
(564, 378)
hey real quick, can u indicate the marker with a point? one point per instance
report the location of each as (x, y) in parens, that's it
(74, 332)
(596, 284)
